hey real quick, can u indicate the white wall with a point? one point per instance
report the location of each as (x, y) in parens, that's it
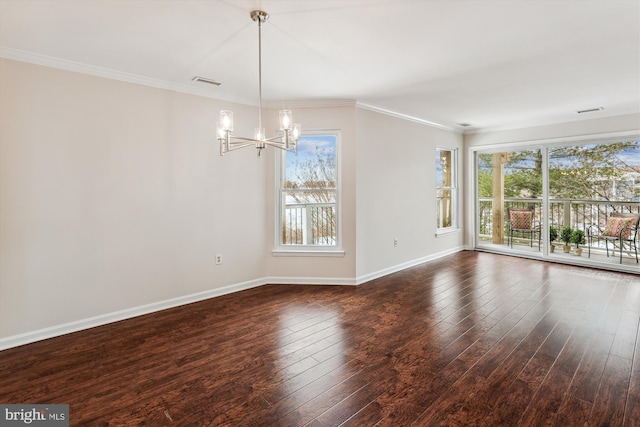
(113, 195)
(396, 193)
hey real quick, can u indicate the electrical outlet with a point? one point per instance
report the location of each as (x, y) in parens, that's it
(218, 259)
(395, 243)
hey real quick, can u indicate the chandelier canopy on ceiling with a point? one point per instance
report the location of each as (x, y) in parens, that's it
(289, 131)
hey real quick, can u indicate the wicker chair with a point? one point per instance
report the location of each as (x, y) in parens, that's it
(620, 229)
(522, 221)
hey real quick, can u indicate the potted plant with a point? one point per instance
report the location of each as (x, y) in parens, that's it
(553, 235)
(565, 236)
(577, 237)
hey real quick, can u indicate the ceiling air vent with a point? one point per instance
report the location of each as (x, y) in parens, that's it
(205, 80)
(590, 110)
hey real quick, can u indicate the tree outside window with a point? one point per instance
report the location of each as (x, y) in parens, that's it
(599, 171)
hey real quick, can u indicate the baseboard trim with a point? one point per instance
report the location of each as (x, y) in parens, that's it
(394, 269)
(92, 322)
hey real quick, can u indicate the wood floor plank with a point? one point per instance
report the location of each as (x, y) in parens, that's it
(587, 378)
(370, 415)
(314, 408)
(609, 407)
(632, 409)
(572, 412)
(468, 339)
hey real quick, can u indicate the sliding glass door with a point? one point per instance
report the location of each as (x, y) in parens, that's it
(564, 202)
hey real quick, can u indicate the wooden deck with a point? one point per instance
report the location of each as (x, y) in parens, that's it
(470, 339)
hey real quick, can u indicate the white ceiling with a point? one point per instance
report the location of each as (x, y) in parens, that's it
(493, 64)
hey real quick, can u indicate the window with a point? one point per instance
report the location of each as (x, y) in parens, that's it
(308, 193)
(446, 192)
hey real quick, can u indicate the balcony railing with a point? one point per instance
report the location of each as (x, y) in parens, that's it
(309, 224)
(578, 214)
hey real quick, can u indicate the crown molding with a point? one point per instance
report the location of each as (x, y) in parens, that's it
(78, 67)
(375, 108)
(545, 122)
(92, 70)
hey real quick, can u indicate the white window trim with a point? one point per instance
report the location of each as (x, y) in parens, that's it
(304, 252)
(448, 230)
(455, 227)
(281, 250)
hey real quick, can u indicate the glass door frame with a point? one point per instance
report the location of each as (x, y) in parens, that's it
(473, 199)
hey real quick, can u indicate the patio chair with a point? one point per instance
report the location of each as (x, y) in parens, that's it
(522, 220)
(620, 229)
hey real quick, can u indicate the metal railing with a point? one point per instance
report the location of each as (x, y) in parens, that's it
(575, 213)
(309, 224)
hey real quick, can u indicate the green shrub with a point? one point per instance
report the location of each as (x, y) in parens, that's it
(565, 235)
(577, 237)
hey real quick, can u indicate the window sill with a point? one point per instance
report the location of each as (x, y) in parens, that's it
(307, 252)
(447, 231)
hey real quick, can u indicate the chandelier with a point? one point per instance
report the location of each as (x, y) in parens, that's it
(289, 131)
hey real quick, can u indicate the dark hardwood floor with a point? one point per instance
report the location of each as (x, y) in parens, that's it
(470, 339)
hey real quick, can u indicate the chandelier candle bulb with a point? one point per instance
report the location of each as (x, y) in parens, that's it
(226, 119)
(285, 120)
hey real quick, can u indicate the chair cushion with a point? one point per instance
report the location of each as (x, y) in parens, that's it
(615, 224)
(521, 219)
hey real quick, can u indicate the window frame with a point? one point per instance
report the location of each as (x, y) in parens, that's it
(453, 187)
(281, 249)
